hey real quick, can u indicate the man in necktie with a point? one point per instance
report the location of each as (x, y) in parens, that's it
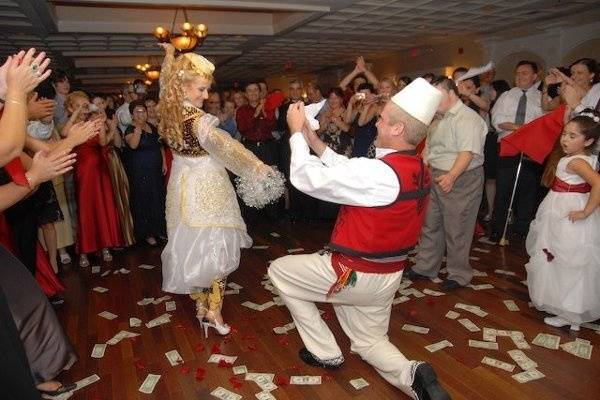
(514, 108)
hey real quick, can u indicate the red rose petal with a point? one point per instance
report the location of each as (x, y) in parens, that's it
(430, 302)
(140, 365)
(281, 380)
(236, 382)
(284, 341)
(199, 347)
(413, 312)
(327, 377)
(224, 364)
(185, 370)
(200, 373)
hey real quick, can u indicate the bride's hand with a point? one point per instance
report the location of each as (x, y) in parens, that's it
(168, 47)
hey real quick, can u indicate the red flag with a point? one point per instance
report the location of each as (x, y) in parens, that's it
(535, 139)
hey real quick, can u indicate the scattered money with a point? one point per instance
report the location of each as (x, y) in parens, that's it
(170, 306)
(524, 362)
(265, 385)
(124, 271)
(433, 292)
(480, 250)
(145, 301)
(149, 383)
(260, 247)
(231, 291)
(224, 394)
(436, 280)
(234, 286)
(96, 269)
(359, 383)
(479, 273)
(503, 332)
(108, 315)
(100, 289)
(275, 234)
(265, 396)
(105, 273)
(528, 376)
(579, 348)
(216, 358)
(452, 314)
(483, 345)
(254, 376)
(161, 299)
(240, 369)
(432, 348)
(489, 334)
(404, 284)
(414, 328)
(519, 340)
(472, 309)
(98, 351)
(474, 258)
(498, 364)
(120, 336)
(258, 307)
(174, 358)
(146, 266)
(134, 322)
(401, 299)
(298, 250)
(511, 305)
(305, 380)
(281, 330)
(163, 319)
(467, 323)
(504, 272)
(80, 384)
(481, 287)
(546, 340)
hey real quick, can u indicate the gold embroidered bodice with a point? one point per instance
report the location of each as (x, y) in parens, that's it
(191, 146)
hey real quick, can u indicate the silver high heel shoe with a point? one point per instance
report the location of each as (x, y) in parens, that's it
(221, 328)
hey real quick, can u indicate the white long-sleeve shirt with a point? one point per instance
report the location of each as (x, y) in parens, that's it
(335, 178)
(505, 109)
(590, 100)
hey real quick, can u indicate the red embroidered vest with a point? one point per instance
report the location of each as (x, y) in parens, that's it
(392, 230)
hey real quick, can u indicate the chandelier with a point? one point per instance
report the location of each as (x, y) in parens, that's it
(190, 38)
(152, 72)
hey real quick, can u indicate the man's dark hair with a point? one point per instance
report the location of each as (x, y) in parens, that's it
(251, 83)
(532, 64)
(137, 103)
(58, 75)
(366, 85)
(446, 83)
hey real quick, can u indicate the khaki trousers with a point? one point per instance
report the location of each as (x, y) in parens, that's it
(363, 311)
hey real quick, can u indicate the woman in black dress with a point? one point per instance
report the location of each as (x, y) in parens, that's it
(146, 167)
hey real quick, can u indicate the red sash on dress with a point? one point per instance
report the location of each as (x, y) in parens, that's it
(558, 185)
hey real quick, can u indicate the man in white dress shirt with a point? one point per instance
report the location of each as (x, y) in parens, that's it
(514, 108)
(384, 201)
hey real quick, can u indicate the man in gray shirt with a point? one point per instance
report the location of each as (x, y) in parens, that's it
(454, 152)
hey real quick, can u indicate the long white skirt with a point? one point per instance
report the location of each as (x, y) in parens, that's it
(204, 225)
(563, 272)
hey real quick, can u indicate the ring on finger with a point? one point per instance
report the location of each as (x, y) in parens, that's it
(34, 67)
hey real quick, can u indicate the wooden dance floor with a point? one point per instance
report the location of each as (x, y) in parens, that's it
(126, 364)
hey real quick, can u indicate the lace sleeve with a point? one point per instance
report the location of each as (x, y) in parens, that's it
(257, 184)
(165, 72)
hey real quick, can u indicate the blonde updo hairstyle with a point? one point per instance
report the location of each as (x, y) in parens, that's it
(72, 99)
(185, 69)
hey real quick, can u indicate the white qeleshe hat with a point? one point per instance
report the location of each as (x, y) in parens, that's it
(419, 99)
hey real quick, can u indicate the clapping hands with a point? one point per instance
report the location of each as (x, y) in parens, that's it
(22, 72)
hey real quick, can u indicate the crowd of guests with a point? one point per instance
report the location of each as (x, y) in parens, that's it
(113, 196)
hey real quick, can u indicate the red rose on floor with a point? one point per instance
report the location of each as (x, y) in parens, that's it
(281, 380)
(284, 341)
(236, 382)
(200, 373)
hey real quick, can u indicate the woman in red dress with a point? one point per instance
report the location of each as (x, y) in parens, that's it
(98, 220)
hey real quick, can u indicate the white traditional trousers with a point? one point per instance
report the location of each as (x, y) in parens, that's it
(363, 311)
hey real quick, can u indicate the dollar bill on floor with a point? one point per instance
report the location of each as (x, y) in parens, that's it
(216, 358)
(124, 271)
(107, 315)
(504, 272)
(305, 380)
(492, 362)
(170, 306)
(580, 348)
(262, 247)
(265, 385)
(472, 309)
(239, 369)
(105, 273)
(524, 362)
(146, 266)
(474, 258)
(452, 314)
(120, 336)
(145, 301)
(479, 273)
(100, 289)
(160, 320)
(483, 286)
(433, 292)
(518, 339)
(96, 269)
(432, 348)
(400, 300)
(480, 250)
(254, 376)
(297, 250)
(486, 240)
(589, 325)
(231, 291)
(404, 284)
(280, 330)
(275, 234)
(265, 396)
(234, 286)
(224, 394)
(528, 376)
(161, 299)
(359, 383)
(98, 351)
(135, 322)
(546, 340)
(436, 280)
(489, 334)
(149, 384)
(483, 345)
(251, 305)
(511, 305)
(174, 358)
(469, 325)
(80, 384)
(414, 328)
